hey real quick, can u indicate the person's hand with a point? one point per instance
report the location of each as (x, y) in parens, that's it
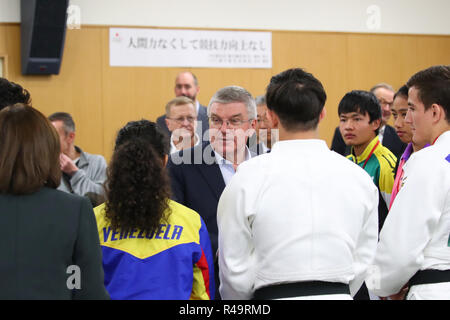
(401, 294)
(67, 165)
(182, 138)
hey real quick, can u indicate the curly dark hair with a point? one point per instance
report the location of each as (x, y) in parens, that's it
(12, 93)
(137, 186)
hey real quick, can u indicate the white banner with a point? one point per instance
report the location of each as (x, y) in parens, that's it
(189, 48)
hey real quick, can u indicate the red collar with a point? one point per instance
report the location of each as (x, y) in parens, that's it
(436, 139)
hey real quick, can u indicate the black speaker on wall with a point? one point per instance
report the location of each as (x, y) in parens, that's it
(43, 31)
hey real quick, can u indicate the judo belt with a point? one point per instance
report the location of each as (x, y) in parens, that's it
(430, 276)
(300, 289)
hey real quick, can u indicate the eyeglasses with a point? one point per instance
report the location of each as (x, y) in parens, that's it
(182, 119)
(384, 102)
(263, 120)
(231, 123)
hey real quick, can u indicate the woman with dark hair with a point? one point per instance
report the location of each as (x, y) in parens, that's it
(153, 247)
(12, 93)
(49, 244)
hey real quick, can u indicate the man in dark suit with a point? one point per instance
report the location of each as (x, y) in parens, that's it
(266, 136)
(387, 134)
(199, 175)
(186, 84)
(181, 119)
(392, 141)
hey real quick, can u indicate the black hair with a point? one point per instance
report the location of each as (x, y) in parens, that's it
(433, 85)
(137, 187)
(66, 118)
(363, 102)
(402, 92)
(297, 98)
(12, 93)
(147, 130)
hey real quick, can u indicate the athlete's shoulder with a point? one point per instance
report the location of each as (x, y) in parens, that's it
(386, 157)
(183, 215)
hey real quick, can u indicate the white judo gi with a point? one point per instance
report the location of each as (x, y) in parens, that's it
(416, 233)
(298, 213)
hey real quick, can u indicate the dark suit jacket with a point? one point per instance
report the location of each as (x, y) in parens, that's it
(338, 145)
(255, 147)
(393, 142)
(390, 141)
(201, 116)
(42, 235)
(197, 183)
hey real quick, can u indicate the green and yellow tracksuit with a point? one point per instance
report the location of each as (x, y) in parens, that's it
(379, 162)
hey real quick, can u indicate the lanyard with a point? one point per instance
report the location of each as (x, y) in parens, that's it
(370, 154)
(435, 139)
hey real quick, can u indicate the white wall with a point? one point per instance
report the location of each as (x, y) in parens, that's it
(375, 16)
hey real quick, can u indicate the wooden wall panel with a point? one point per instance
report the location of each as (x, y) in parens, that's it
(392, 58)
(324, 56)
(103, 98)
(77, 89)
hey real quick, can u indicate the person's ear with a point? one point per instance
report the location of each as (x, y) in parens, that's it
(273, 118)
(437, 112)
(376, 124)
(323, 114)
(171, 125)
(71, 136)
(166, 158)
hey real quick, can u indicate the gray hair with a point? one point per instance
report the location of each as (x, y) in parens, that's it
(382, 85)
(179, 101)
(232, 94)
(260, 100)
(67, 120)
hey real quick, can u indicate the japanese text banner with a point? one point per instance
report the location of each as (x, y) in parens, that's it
(189, 48)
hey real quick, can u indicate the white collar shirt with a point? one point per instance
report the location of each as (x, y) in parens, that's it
(226, 166)
(381, 133)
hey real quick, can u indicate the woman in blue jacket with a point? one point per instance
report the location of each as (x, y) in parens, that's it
(153, 247)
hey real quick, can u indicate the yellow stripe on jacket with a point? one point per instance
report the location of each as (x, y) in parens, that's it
(170, 234)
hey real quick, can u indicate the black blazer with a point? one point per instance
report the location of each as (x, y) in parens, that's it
(338, 145)
(197, 183)
(390, 141)
(42, 235)
(201, 116)
(255, 147)
(393, 142)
